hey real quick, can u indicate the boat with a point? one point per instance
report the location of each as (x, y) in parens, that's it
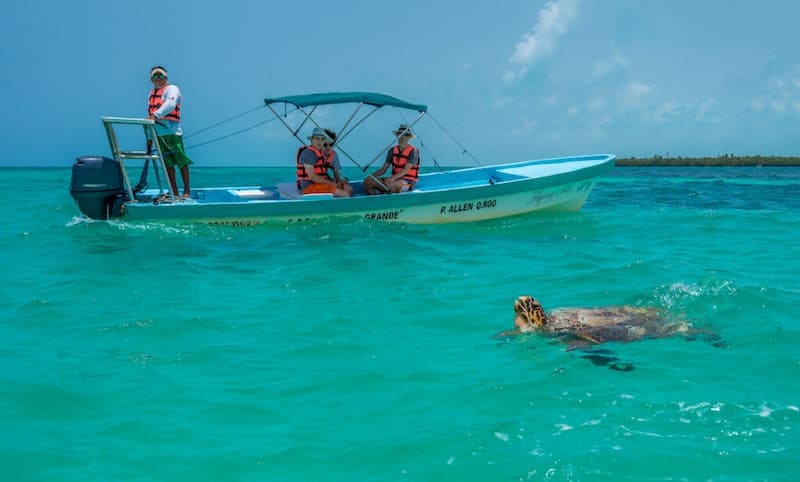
(103, 189)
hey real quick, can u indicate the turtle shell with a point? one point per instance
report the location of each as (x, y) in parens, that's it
(614, 323)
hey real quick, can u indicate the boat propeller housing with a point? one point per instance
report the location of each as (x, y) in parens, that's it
(97, 187)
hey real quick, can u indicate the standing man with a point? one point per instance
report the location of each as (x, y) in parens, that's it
(404, 159)
(164, 107)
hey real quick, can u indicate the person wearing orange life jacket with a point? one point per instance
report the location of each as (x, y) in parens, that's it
(164, 107)
(312, 167)
(404, 160)
(332, 159)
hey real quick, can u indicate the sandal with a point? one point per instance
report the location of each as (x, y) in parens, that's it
(164, 198)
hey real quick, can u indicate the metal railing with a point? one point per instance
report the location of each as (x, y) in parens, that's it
(149, 127)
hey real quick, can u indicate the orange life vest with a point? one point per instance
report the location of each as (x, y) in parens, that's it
(399, 161)
(320, 166)
(329, 158)
(156, 101)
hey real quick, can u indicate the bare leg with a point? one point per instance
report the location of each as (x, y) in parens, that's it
(399, 186)
(187, 192)
(371, 186)
(172, 182)
(341, 193)
(396, 186)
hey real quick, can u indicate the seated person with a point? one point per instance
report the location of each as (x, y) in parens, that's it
(312, 167)
(332, 159)
(404, 159)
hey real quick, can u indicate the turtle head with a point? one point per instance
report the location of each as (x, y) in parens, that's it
(530, 314)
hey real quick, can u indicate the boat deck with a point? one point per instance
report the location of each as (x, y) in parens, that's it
(447, 180)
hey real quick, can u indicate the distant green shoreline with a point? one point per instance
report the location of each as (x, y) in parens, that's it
(724, 160)
(655, 161)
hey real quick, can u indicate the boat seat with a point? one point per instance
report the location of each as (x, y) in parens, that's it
(251, 193)
(289, 190)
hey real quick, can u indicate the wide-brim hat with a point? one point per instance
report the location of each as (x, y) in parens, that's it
(319, 132)
(158, 70)
(403, 129)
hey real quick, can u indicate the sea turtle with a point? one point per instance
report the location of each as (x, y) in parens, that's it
(585, 328)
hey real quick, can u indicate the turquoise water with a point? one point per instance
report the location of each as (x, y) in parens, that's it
(358, 351)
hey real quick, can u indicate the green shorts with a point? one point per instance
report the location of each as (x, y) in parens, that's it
(172, 149)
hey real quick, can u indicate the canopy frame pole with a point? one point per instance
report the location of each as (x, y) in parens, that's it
(269, 106)
(345, 134)
(308, 117)
(344, 127)
(363, 169)
(425, 146)
(294, 133)
(345, 131)
(348, 156)
(464, 150)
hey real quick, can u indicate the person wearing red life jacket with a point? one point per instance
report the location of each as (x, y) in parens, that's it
(312, 167)
(164, 107)
(332, 158)
(404, 161)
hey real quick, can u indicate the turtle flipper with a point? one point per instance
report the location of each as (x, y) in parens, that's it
(578, 341)
(606, 358)
(709, 337)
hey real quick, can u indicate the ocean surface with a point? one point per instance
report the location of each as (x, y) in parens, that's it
(367, 351)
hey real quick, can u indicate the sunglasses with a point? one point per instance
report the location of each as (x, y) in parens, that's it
(407, 134)
(157, 77)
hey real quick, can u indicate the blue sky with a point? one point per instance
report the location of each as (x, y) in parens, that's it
(511, 80)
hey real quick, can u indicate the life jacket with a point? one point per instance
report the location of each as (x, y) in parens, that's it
(329, 158)
(156, 101)
(320, 166)
(399, 161)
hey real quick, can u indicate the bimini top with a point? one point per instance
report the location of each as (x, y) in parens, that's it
(326, 98)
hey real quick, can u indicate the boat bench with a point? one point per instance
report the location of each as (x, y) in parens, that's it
(251, 194)
(289, 190)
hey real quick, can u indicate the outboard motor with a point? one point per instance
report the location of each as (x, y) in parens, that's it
(97, 187)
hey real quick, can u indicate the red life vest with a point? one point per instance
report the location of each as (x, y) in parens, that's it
(320, 166)
(156, 101)
(399, 161)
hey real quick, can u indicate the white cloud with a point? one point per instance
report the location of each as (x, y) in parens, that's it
(595, 105)
(605, 67)
(637, 90)
(662, 113)
(778, 106)
(704, 112)
(526, 127)
(777, 83)
(503, 101)
(701, 112)
(779, 95)
(553, 21)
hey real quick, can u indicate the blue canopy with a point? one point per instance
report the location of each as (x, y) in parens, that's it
(326, 98)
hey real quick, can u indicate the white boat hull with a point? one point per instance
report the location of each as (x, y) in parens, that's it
(465, 195)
